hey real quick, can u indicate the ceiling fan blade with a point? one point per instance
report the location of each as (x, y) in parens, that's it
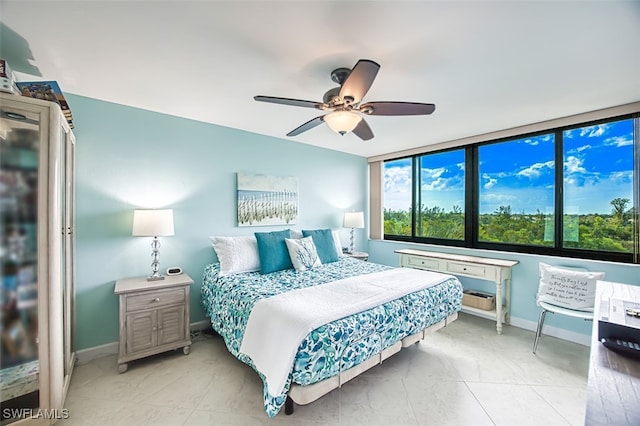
(307, 126)
(359, 80)
(397, 108)
(363, 131)
(288, 101)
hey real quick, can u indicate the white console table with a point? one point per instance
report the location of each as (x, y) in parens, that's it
(484, 268)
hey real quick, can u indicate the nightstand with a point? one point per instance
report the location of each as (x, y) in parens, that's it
(358, 255)
(154, 317)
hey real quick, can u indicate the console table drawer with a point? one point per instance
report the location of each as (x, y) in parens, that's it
(155, 299)
(421, 262)
(471, 270)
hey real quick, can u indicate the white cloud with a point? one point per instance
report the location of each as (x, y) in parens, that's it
(432, 180)
(625, 176)
(490, 182)
(619, 141)
(574, 165)
(593, 131)
(397, 179)
(432, 173)
(438, 184)
(536, 140)
(535, 170)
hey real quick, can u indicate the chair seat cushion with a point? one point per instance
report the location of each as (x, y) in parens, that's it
(568, 288)
(565, 311)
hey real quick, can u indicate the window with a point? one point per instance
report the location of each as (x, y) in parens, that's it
(516, 187)
(566, 192)
(441, 196)
(397, 197)
(598, 187)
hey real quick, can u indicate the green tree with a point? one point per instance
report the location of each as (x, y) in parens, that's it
(593, 231)
(619, 207)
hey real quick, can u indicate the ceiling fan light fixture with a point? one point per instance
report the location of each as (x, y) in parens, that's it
(342, 122)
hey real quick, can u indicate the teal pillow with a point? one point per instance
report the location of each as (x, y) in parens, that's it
(272, 251)
(325, 244)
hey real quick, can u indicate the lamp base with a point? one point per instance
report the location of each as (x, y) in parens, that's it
(352, 245)
(155, 278)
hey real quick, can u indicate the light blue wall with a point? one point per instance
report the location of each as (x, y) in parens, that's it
(524, 312)
(130, 158)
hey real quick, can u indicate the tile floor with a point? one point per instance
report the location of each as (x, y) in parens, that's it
(464, 374)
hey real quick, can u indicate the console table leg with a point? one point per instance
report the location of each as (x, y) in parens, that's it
(499, 306)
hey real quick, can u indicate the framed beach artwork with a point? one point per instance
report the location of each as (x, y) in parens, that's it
(267, 200)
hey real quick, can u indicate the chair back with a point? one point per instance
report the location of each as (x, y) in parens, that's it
(568, 287)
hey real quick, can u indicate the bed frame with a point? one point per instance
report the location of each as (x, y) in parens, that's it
(303, 395)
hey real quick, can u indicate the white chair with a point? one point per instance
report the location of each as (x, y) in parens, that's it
(566, 291)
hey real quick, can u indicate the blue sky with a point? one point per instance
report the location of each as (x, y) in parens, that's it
(598, 167)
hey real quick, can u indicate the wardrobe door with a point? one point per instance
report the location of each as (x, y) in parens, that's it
(22, 154)
(67, 249)
(60, 277)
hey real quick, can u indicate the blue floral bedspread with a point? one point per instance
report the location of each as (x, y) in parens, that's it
(336, 346)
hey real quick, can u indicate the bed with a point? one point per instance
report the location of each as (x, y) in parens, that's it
(332, 352)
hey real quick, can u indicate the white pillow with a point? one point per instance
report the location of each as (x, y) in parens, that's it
(303, 253)
(567, 288)
(336, 240)
(236, 254)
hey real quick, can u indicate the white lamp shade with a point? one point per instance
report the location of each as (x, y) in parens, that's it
(353, 220)
(342, 121)
(152, 223)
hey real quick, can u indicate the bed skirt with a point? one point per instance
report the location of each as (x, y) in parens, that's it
(303, 395)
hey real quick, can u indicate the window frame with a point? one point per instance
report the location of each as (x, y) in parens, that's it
(472, 192)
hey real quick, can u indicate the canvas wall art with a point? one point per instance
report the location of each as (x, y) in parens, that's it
(267, 200)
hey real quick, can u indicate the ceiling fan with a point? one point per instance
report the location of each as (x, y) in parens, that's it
(345, 112)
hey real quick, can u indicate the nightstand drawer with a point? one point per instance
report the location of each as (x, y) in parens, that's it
(155, 299)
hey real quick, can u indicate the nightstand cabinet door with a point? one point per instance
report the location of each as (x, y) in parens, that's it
(171, 327)
(141, 331)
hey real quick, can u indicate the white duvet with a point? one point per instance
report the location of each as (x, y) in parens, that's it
(277, 325)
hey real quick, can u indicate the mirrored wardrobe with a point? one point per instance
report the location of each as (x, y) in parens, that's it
(37, 268)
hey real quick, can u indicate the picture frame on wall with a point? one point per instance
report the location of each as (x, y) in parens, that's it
(267, 200)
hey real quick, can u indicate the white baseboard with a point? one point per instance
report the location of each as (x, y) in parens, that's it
(560, 333)
(85, 356)
(200, 325)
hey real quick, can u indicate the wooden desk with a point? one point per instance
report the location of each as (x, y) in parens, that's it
(613, 389)
(484, 268)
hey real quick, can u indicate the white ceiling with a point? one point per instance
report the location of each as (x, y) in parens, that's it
(487, 65)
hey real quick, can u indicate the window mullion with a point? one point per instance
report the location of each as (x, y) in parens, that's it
(417, 198)
(558, 210)
(471, 216)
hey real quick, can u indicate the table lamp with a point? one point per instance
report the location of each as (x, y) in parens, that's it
(353, 220)
(153, 223)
